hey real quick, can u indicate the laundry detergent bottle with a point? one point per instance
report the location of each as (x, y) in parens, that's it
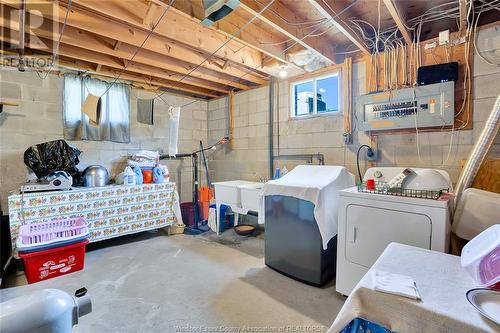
(129, 176)
(138, 175)
(157, 175)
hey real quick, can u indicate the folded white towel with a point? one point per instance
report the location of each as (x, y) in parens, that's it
(147, 154)
(395, 284)
(144, 163)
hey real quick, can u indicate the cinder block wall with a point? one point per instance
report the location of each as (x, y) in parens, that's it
(249, 158)
(39, 119)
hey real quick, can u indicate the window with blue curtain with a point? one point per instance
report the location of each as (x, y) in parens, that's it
(114, 124)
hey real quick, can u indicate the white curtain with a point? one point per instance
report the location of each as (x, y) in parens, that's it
(115, 110)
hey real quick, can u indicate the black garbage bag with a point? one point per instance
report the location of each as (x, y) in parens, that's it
(48, 157)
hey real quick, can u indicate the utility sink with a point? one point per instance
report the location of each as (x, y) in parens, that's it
(241, 196)
(229, 192)
(251, 195)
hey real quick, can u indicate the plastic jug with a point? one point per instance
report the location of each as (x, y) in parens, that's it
(147, 176)
(158, 175)
(128, 176)
(166, 175)
(277, 173)
(138, 175)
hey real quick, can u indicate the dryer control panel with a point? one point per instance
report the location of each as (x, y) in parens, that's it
(424, 106)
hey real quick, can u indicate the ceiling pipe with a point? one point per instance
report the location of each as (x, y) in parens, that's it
(22, 22)
(479, 151)
(271, 124)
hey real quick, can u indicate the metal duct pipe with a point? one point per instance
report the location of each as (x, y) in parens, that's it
(271, 125)
(479, 151)
(306, 157)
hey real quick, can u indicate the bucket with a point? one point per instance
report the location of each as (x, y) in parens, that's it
(47, 264)
(223, 217)
(187, 212)
(203, 207)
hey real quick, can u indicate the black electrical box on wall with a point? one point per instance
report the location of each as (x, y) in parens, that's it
(437, 73)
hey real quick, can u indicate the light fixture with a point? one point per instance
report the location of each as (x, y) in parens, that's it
(283, 72)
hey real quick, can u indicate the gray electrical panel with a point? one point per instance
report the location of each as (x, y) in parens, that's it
(431, 105)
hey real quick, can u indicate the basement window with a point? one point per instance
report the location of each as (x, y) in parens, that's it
(113, 123)
(316, 96)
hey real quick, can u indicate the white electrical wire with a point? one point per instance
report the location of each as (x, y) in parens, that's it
(139, 48)
(55, 51)
(283, 52)
(476, 49)
(290, 22)
(435, 13)
(236, 34)
(377, 40)
(327, 21)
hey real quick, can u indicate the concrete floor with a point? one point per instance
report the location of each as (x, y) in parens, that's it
(151, 282)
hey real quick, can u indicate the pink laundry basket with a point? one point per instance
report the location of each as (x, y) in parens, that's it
(43, 235)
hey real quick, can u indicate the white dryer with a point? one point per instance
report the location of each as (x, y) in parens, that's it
(368, 222)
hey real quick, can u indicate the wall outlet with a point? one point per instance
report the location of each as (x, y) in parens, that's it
(430, 46)
(444, 37)
(373, 156)
(347, 138)
(459, 41)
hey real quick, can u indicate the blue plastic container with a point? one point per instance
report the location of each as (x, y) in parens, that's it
(223, 209)
(138, 175)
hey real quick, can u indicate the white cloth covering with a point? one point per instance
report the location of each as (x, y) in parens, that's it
(318, 184)
(442, 284)
(147, 154)
(396, 284)
(144, 158)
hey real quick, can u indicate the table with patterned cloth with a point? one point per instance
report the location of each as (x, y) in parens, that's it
(110, 211)
(442, 284)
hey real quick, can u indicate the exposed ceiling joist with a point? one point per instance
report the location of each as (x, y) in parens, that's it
(321, 49)
(122, 32)
(103, 61)
(329, 10)
(194, 8)
(399, 17)
(255, 36)
(147, 19)
(114, 36)
(462, 7)
(113, 73)
(138, 80)
(79, 38)
(187, 30)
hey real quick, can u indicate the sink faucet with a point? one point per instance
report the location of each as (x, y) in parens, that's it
(262, 179)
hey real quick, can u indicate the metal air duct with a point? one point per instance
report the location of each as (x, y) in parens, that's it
(217, 9)
(479, 151)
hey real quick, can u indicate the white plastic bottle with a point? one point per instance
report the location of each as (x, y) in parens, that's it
(129, 176)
